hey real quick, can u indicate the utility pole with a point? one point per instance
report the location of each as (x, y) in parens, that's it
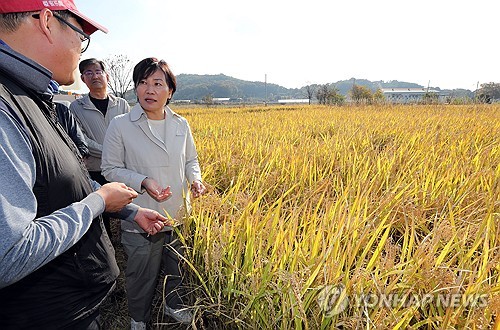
(265, 86)
(475, 92)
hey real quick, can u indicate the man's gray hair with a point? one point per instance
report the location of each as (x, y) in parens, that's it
(10, 22)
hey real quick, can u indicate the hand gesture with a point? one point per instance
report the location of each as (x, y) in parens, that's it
(116, 195)
(150, 221)
(156, 191)
(198, 189)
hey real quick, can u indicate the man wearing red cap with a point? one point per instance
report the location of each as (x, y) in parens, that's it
(56, 261)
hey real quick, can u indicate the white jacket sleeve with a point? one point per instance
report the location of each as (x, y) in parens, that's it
(113, 159)
(193, 171)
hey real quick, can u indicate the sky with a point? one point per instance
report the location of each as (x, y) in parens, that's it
(440, 43)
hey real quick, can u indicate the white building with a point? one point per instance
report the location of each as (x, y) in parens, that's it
(409, 95)
(220, 100)
(294, 101)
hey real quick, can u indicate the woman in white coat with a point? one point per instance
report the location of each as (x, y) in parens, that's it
(151, 149)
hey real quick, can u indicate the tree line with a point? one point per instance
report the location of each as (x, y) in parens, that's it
(119, 68)
(330, 95)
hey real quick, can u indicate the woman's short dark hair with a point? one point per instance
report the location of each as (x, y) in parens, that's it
(148, 66)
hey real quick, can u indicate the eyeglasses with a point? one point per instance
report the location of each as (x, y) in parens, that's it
(84, 38)
(90, 73)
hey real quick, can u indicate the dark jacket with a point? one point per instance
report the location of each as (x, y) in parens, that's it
(66, 290)
(70, 125)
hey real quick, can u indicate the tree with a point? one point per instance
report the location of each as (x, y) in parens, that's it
(334, 97)
(361, 94)
(310, 92)
(119, 68)
(378, 96)
(208, 100)
(322, 94)
(488, 92)
(327, 95)
(430, 98)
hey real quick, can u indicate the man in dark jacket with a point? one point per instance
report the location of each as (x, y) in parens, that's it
(57, 263)
(70, 125)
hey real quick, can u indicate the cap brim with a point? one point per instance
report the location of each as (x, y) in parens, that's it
(89, 26)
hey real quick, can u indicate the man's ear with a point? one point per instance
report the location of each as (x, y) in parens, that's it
(46, 23)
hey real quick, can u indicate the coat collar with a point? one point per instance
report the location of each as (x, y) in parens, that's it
(137, 112)
(24, 70)
(87, 103)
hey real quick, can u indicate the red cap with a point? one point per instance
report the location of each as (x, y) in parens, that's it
(19, 6)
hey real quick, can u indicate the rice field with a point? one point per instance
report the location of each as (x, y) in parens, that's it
(368, 217)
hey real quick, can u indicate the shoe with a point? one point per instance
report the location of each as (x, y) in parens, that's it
(134, 325)
(182, 315)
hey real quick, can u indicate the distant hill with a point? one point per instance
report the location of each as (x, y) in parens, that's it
(195, 87)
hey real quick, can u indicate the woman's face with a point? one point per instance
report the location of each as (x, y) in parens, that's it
(153, 93)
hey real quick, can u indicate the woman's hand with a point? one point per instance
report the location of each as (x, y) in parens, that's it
(156, 191)
(198, 189)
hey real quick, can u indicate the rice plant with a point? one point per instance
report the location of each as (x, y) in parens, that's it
(368, 217)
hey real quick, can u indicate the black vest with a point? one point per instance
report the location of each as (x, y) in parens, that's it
(69, 288)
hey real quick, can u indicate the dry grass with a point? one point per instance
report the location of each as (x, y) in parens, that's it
(376, 199)
(114, 312)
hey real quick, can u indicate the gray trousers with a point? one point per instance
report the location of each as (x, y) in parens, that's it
(144, 256)
(172, 270)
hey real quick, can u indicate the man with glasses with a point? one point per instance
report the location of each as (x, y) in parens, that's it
(84, 37)
(56, 261)
(94, 112)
